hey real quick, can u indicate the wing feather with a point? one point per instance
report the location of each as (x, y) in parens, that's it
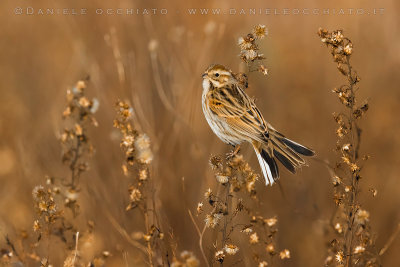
(239, 111)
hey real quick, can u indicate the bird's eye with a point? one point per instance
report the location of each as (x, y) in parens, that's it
(216, 74)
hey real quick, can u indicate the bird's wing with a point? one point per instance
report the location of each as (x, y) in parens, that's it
(239, 111)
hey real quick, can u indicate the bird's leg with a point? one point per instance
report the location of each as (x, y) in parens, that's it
(233, 153)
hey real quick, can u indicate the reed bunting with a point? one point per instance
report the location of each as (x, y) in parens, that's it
(234, 118)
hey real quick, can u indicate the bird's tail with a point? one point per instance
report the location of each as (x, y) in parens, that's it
(284, 150)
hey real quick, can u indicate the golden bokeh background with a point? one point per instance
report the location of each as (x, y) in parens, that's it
(43, 55)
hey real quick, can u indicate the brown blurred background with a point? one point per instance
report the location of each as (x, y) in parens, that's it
(42, 56)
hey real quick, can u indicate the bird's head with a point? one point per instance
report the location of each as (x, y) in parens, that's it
(218, 75)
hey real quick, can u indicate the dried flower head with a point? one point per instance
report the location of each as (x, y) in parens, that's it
(143, 174)
(362, 216)
(199, 207)
(250, 55)
(247, 230)
(337, 36)
(84, 102)
(244, 43)
(263, 70)
(336, 180)
(147, 237)
(348, 49)
(338, 228)
(94, 105)
(216, 162)
(145, 156)
(284, 254)
(36, 226)
(359, 249)
(142, 146)
(231, 249)
(254, 238)
(220, 256)
(260, 31)
(38, 192)
(251, 186)
(346, 147)
(270, 248)
(135, 195)
(213, 219)
(127, 141)
(354, 167)
(271, 221)
(373, 191)
(208, 193)
(339, 257)
(223, 179)
(142, 142)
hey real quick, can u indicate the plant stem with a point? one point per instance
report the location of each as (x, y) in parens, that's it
(74, 173)
(354, 174)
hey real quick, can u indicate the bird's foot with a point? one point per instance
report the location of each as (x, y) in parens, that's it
(233, 153)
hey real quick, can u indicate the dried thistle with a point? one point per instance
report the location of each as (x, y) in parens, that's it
(138, 154)
(75, 141)
(350, 224)
(138, 158)
(237, 180)
(249, 49)
(46, 208)
(231, 249)
(49, 200)
(284, 254)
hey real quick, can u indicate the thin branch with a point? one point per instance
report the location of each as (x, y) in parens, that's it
(76, 248)
(124, 234)
(201, 234)
(11, 245)
(390, 240)
(74, 174)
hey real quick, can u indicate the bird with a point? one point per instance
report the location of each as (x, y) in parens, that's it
(234, 118)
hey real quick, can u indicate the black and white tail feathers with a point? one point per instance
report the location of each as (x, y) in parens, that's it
(284, 150)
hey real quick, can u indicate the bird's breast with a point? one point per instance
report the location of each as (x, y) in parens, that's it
(206, 84)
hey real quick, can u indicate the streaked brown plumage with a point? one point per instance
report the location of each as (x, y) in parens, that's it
(234, 118)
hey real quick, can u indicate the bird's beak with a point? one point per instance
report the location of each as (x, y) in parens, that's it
(204, 75)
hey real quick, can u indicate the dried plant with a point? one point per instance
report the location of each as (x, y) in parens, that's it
(76, 146)
(231, 211)
(138, 157)
(78, 115)
(53, 200)
(249, 50)
(354, 244)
